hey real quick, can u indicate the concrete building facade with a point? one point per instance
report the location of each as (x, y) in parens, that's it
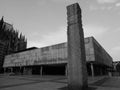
(2, 53)
(52, 60)
(13, 41)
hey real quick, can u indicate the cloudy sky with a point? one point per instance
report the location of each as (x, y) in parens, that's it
(44, 22)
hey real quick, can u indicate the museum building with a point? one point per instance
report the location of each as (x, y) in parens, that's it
(2, 53)
(52, 60)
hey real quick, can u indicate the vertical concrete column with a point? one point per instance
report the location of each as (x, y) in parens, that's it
(92, 69)
(20, 70)
(101, 71)
(77, 72)
(11, 69)
(41, 70)
(23, 70)
(4, 69)
(66, 70)
(110, 74)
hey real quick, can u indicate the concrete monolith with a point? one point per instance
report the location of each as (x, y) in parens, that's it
(77, 72)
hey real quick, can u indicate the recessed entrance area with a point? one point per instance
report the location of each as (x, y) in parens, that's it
(54, 69)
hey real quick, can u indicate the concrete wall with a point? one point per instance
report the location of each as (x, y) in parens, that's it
(101, 56)
(47, 55)
(90, 56)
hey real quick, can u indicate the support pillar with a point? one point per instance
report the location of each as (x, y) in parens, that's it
(4, 69)
(101, 71)
(41, 70)
(66, 70)
(20, 70)
(92, 69)
(77, 71)
(11, 69)
(23, 70)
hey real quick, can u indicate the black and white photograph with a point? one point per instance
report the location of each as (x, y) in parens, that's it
(59, 45)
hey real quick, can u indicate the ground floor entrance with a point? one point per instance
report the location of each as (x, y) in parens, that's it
(56, 69)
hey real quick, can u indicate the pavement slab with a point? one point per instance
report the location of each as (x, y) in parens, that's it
(36, 82)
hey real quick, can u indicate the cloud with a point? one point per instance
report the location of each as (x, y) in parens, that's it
(117, 5)
(115, 53)
(34, 44)
(57, 1)
(106, 1)
(58, 36)
(51, 38)
(117, 48)
(106, 8)
(65, 0)
(94, 30)
(94, 8)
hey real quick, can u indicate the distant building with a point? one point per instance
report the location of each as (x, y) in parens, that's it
(53, 60)
(2, 54)
(116, 68)
(8, 26)
(13, 41)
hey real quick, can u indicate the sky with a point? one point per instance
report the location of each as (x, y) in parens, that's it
(44, 22)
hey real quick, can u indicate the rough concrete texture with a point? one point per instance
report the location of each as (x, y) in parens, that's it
(77, 73)
(54, 83)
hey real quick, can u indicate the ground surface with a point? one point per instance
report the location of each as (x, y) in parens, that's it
(54, 83)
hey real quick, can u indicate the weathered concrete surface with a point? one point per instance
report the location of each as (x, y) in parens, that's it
(37, 82)
(77, 72)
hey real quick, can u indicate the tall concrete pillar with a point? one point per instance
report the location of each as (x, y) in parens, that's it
(11, 69)
(41, 70)
(66, 70)
(77, 72)
(4, 69)
(23, 70)
(92, 69)
(20, 70)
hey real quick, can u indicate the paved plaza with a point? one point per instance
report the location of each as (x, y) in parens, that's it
(24, 82)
